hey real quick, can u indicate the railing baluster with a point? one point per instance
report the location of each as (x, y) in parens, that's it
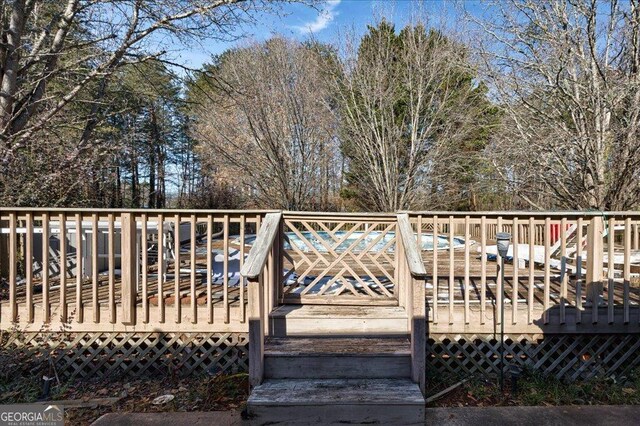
(145, 268)
(63, 267)
(210, 260)
(161, 269)
(46, 306)
(129, 261)
(532, 263)
(241, 282)
(176, 282)
(627, 269)
(565, 269)
(13, 264)
(467, 281)
(515, 283)
(578, 303)
(112, 264)
(192, 261)
(94, 268)
(483, 268)
(499, 281)
(79, 271)
(28, 265)
(435, 269)
(225, 268)
(451, 272)
(547, 270)
(611, 271)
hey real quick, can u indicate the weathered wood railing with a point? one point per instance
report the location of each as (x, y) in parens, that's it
(553, 286)
(179, 270)
(411, 282)
(262, 273)
(339, 258)
(142, 270)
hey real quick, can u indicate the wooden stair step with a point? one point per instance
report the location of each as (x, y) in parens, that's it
(290, 320)
(331, 401)
(334, 358)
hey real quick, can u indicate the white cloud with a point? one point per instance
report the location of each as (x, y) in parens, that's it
(322, 21)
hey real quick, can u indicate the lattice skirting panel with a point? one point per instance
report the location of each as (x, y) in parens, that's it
(565, 356)
(135, 354)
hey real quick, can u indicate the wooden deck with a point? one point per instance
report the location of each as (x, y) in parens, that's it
(450, 293)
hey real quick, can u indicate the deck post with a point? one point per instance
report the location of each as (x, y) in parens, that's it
(594, 260)
(256, 332)
(4, 251)
(128, 259)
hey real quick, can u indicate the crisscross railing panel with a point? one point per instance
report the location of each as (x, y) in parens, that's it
(339, 258)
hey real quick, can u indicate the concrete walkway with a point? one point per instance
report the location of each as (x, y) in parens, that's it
(615, 415)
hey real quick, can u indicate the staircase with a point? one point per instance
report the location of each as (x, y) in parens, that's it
(330, 362)
(361, 376)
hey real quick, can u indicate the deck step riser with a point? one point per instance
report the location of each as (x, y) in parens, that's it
(337, 367)
(282, 327)
(336, 401)
(338, 414)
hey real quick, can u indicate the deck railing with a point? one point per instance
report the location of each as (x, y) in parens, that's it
(565, 271)
(124, 269)
(179, 270)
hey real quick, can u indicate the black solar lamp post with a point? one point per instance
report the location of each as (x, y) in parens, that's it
(503, 239)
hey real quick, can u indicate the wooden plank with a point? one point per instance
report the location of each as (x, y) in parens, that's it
(128, 268)
(262, 246)
(483, 267)
(225, 267)
(565, 273)
(547, 270)
(594, 265)
(63, 266)
(94, 268)
(176, 269)
(530, 292)
(161, 269)
(411, 250)
(79, 271)
(13, 266)
(626, 275)
(467, 282)
(256, 334)
(242, 255)
(112, 264)
(46, 306)
(145, 267)
(515, 284)
(451, 268)
(210, 260)
(192, 269)
(579, 257)
(434, 304)
(28, 262)
(500, 283)
(610, 269)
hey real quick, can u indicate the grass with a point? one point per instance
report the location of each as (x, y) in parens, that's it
(535, 389)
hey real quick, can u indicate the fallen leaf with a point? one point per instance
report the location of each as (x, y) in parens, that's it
(163, 399)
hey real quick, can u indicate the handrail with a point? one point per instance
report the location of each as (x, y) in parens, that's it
(411, 249)
(262, 245)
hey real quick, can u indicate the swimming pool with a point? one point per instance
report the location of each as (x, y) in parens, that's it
(355, 238)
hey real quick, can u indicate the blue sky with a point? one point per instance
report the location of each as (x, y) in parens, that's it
(299, 21)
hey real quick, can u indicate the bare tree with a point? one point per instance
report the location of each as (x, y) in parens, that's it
(264, 119)
(56, 63)
(566, 75)
(407, 100)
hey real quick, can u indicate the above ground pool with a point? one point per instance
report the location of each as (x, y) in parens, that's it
(328, 240)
